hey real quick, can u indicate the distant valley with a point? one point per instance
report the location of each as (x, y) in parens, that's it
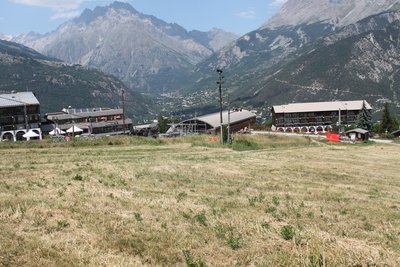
(146, 53)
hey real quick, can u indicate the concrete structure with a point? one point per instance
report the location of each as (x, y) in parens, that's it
(239, 119)
(96, 121)
(19, 113)
(316, 116)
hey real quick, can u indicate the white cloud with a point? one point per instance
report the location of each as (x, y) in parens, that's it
(248, 14)
(65, 15)
(62, 8)
(278, 2)
(53, 4)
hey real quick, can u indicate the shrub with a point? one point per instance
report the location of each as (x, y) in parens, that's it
(77, 178)
(138, 217)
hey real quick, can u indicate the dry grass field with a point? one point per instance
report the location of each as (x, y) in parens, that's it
(266, 201)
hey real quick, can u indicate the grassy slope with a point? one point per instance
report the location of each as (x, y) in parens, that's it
(143, 201)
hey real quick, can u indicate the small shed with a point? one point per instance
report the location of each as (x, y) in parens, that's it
(358, 134)
(396, 133)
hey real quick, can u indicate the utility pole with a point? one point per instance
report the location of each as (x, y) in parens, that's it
(123, 109)
(220, 82)
(25, 117)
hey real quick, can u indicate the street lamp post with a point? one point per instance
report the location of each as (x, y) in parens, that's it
(220, 82)
(90, 125)
(229, 122)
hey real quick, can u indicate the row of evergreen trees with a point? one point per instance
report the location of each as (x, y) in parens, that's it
(388, 123)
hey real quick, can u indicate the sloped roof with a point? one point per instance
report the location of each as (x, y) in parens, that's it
(321, 106)
(18, 99)
(95, 124)
(358, 130)
(66, 116)
(214, 119)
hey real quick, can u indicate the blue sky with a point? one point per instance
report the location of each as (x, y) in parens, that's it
(240, 16)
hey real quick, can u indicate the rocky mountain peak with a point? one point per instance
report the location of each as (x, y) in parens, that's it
(5, 37)
(336, 12)
(89, 16)
(140, 49)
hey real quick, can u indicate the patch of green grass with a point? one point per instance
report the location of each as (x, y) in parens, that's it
(190, 261)
(228, 234)
(61, 224)
(181, 196)
(201, 218)
(243, 145)
(138, 217)
(77, 177)
(288, 232)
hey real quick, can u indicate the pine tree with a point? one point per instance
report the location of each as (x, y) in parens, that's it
(162, 124)
(364, 118)
(386, 120)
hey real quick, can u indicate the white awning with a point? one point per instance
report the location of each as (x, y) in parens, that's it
(30, 134)
(57, 131)
(74, 129)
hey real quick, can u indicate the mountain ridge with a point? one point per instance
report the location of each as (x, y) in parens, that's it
(337, 12)
(58, 84)
(139, 49)
(253, 64)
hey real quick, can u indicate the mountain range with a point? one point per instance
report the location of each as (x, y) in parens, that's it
(304, 52)
(311, 50)
(58, 85)
(337, 12)
(146, 53)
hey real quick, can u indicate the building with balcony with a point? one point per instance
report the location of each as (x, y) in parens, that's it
(96, 121)
(19, 113)
(316, 116)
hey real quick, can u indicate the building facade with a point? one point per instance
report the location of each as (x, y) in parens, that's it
(315, 116)
(19, 113)
(238, 119)
(96, 121)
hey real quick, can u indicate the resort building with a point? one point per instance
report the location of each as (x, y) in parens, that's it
(238, 119)
(97, 121)
(19, 113)
(315, 116)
